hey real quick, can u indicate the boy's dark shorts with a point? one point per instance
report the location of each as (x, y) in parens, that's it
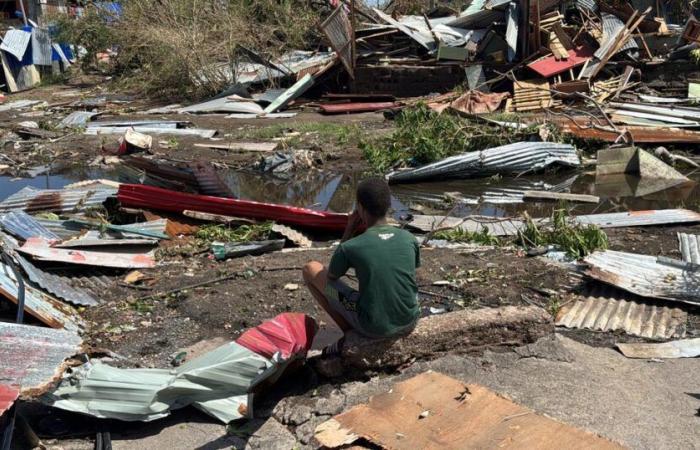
(343, 300)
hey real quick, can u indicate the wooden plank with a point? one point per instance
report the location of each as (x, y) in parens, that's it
(547, 195)
(240, 146)
(431, 411)
(218, 218)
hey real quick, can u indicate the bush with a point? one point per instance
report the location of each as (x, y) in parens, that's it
(187, 48)
(423, 136)
(92, 31)
(575, 239)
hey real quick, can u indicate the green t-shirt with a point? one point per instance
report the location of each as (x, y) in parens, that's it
(385, 259)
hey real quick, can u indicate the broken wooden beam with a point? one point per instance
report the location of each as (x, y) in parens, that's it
(455, 332)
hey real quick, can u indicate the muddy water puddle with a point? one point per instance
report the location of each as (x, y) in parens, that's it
(494, 196)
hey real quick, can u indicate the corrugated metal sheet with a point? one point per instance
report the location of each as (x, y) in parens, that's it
(681, 112)
(513, 158)
(605, 308)
(16, 43)
(688, 348)
(338, 30)
(139, 123)
(222, 105)
(18, 104)
(287, 335)
(478, 19)
(41, 250)
(64, 229)
(55, 284)
(34, 357)
(77, 119)
(640, 218)
(95, 238)
(209, 181)
(41, 47)
(504, 226)
(42, 306)
(689, 245)
(550, 66)
(297, 89)
(218, 383)
(153, 130)
(8, 396)
(34, 200)
(590, 5)
(140, 196)
(342, 108)
(644, 275)
(612, 27)
(22, 225)
(426, 41)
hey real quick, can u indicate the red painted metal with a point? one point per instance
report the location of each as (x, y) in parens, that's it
(342, 108)
(8, 396)
(550, 66)
(289, 334)
(140, 196)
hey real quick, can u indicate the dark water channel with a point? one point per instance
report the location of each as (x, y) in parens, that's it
(495, 196)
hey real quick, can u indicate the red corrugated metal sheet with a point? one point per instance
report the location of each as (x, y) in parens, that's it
(550, 66)
(140, 196)
(289, 334)
(341, 108)
(8, 395)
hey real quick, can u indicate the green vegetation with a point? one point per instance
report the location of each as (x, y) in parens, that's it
(244, 233)
(91, 30)
(482, 237)
(298, 133)
(423, 136)
(575, 239)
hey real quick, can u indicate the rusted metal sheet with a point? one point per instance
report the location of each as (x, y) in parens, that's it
(209, 181)
(41, 250)
(641, 135)
(338, 29)
(605, 308)
(645, 275)
(33, 358)
(346, 108)
(8, 396)
(551, 66)
(687, 348)
(22, 225)
(163, 170)
(40, 305)
(432, 410)
(690, 247)
(55, 284)
(33, 200)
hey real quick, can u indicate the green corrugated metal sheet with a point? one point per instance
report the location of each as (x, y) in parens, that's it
(218, 383)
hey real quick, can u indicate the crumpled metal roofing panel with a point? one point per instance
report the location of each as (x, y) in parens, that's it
(18, 104)
(16, 42)
(512, 158)
(77, 119)
(288, 334)
(479, 19)
(591, 5)
(138, 123)
(605, 308)
(55, 284)
(41, 305)
(645, 275)
(150, 129)
(24, 226)
(32, 200)
(41, 46)
(690, 247)
(687, 348)
(217, 382)
(640, 218)
(33, 357)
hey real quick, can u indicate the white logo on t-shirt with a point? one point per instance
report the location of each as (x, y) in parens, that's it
(386, 236)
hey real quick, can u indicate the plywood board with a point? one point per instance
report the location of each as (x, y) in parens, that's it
(433, 411)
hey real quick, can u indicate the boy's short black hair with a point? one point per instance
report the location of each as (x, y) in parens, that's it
(374, 196)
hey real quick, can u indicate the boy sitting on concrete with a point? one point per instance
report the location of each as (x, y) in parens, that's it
(384, 258)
